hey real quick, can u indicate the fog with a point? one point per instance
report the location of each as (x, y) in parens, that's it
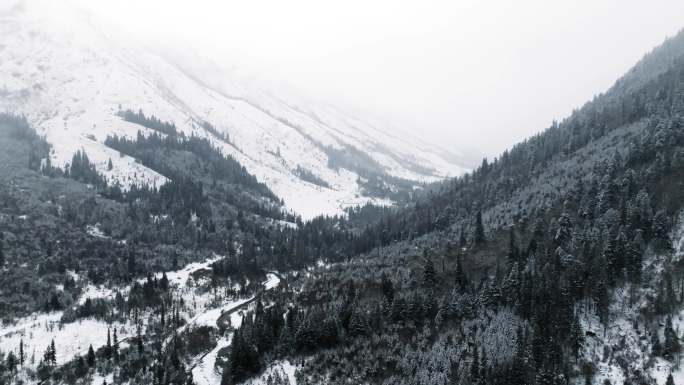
(466, 74)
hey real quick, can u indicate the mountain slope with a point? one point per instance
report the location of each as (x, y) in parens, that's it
(70, 79)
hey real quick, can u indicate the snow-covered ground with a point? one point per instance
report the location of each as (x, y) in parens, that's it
(71, 339)
(626, 340)
(272, 281)
(209, 317)
(95, 231)
(38, 330)
(180, 277)
(70, 74)
(99, 379)
(204, 372)
(282, 369)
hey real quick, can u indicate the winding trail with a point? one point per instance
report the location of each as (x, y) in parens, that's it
(203, 370)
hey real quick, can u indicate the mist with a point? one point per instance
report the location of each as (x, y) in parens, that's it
(469, 75)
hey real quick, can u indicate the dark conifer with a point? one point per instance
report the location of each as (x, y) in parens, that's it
(479, 236)
(91, 356)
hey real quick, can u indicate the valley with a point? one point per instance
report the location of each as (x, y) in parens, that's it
(158, 227)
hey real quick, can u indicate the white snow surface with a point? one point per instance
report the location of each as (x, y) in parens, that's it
(272, 281)
(284, 369)
(69, 76)
(74, 338)
(71, 339)
(205, 372)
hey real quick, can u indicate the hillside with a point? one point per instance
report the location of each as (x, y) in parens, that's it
(71, 75)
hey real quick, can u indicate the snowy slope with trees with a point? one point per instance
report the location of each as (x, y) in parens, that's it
(70, 77)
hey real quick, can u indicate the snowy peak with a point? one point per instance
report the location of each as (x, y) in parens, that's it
(71, 80)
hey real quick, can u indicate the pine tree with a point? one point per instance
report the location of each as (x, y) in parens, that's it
(475, 366)
(2, 251)
(115, 345)
(387, 289)
(110, 166)
(672, 345)
(612, 256)
(656, 347)
(22, 356)
(670, 380)
(108, 347)
(513, 252)
(131, 262)
(164, 282)
(429, 273)
(141, 348)
(91, 356)
(53, 353)
(634, 258)
(564, 232)
(483, 370)
(453, 377)
(11, 362)
(243, 360)
(576, 337)
(81, 368)
(461, 281)
(50, 355)
(358, 325)
(462, 239)
(162, 316)
(479, 236)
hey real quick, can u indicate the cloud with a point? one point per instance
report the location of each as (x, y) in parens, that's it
(470, 74)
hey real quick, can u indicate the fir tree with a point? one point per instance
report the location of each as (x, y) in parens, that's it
(429, 273)
(452, 376)
(2, 251)
(91, 356)
(387, 289)
(672, 345)
(358, 325)
(81, 368)
(108, 346)
(50, 355)
(164, 282)
(479, 236)
(475, 366)
(131, 262)
(513, 252)
(141, 348)
(115, 345)
(162, 315)
(11, 362)
(462, 239)
(461, 281)
(656, 347)
(53, 353)
(564, 231)
(670, 380)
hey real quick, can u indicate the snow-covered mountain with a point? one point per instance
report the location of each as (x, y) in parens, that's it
(70, 78)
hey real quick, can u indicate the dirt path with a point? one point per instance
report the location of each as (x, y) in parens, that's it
(202, 376)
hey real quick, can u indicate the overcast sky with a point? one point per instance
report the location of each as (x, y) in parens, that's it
(468, 74)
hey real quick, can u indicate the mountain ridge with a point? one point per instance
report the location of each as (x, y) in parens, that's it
(268, 133)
